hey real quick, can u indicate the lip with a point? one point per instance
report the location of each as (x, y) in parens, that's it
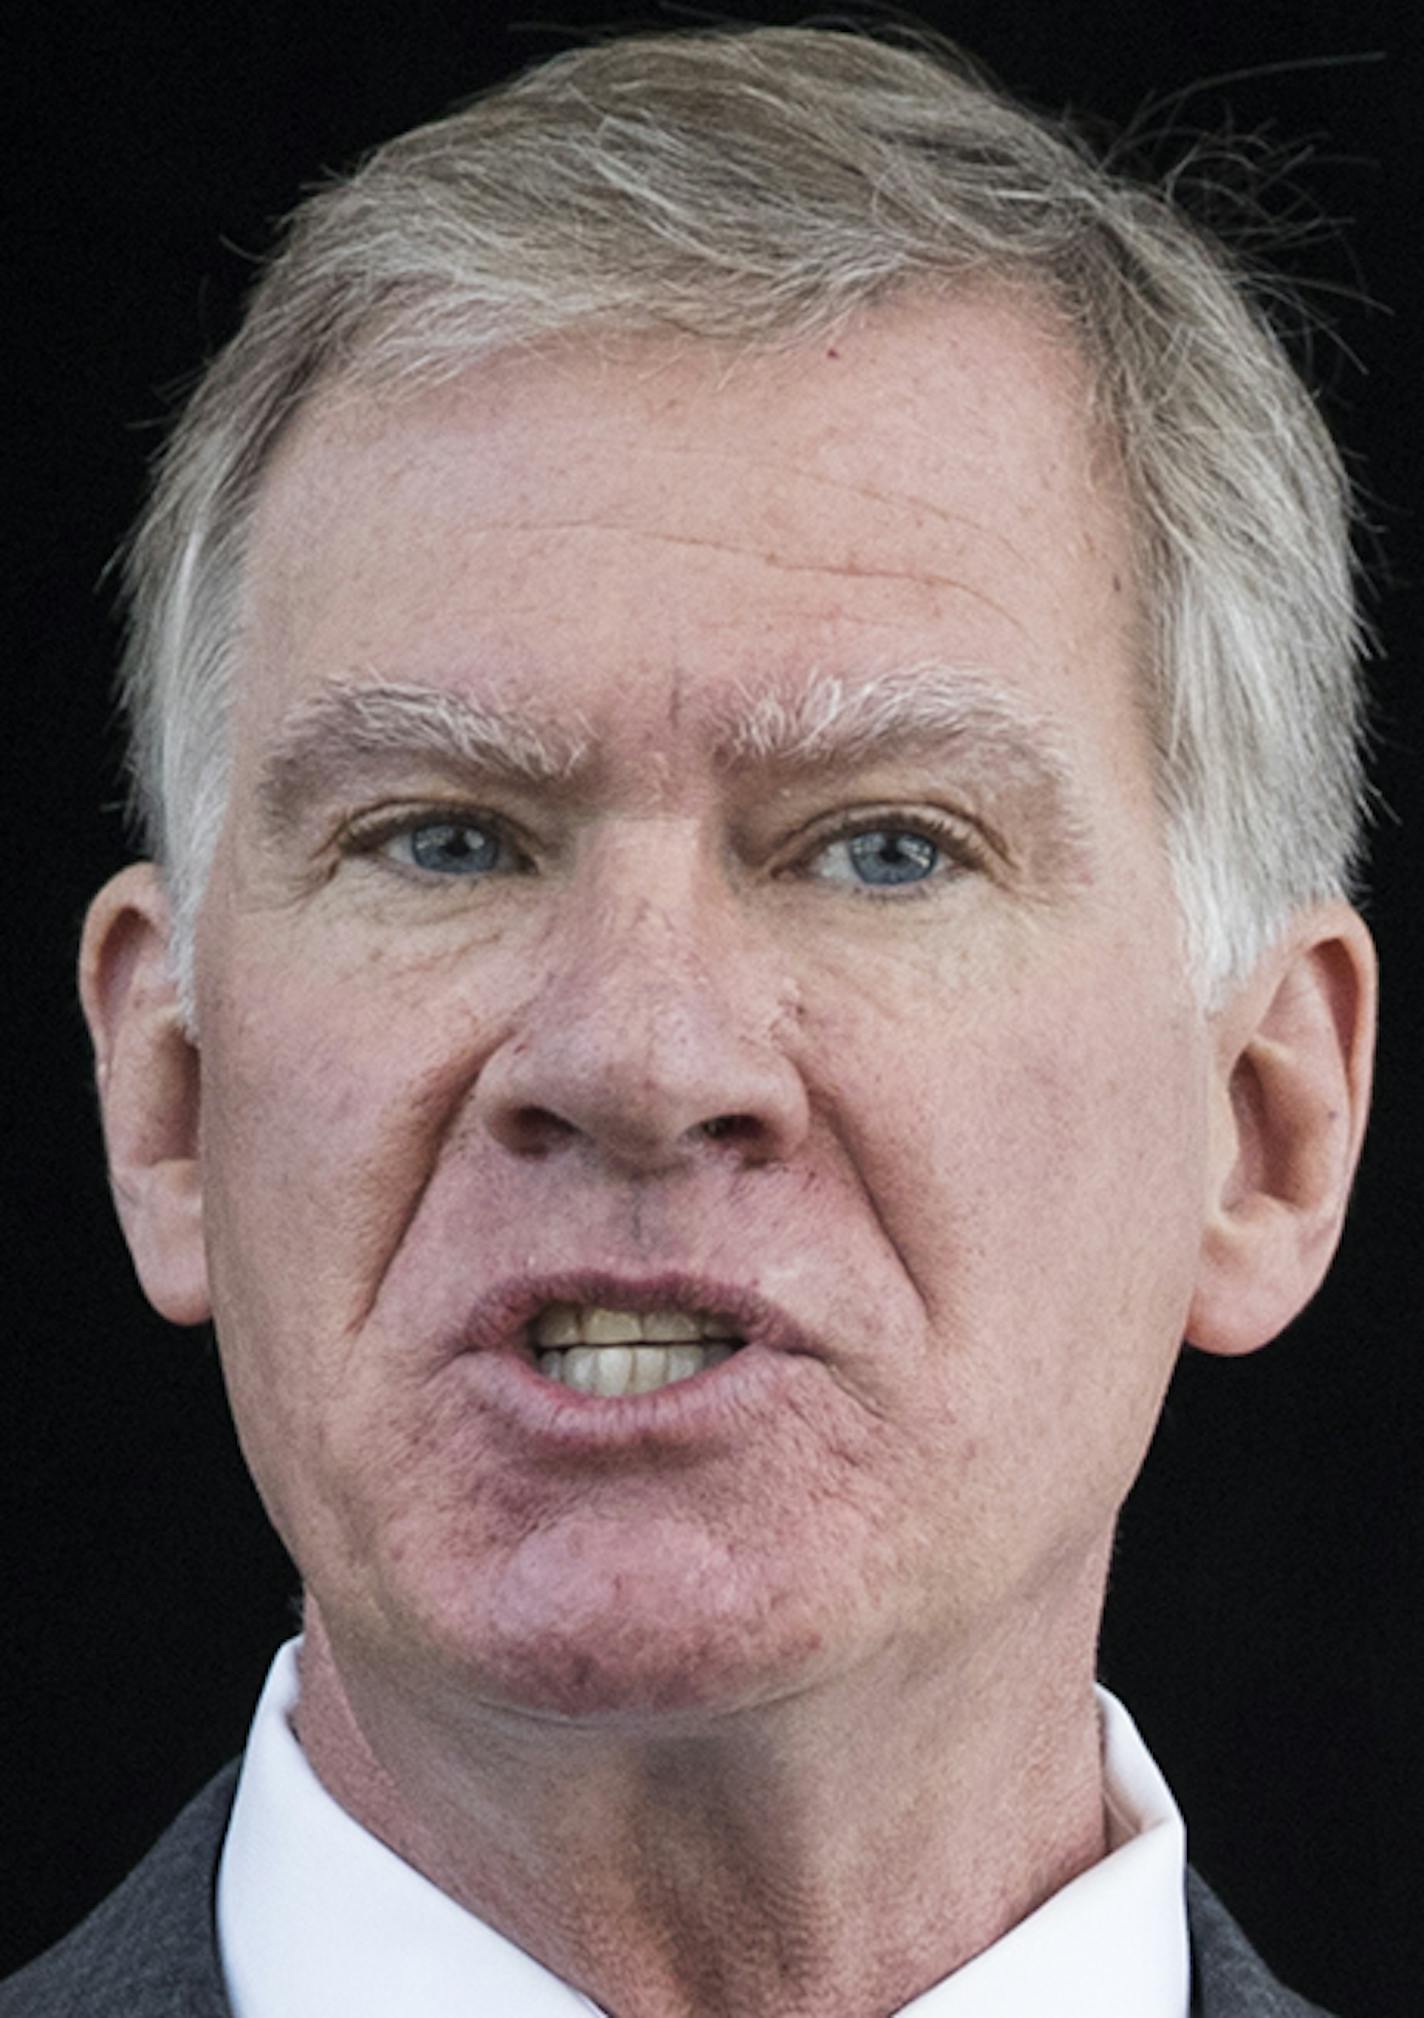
(705, 1408)
(498, 1321)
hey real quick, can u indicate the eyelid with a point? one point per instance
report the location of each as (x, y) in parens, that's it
(965, 841)
(961, 839)
(367, 833)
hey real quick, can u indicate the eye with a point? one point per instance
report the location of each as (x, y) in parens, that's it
(451, 848)
(890, 856)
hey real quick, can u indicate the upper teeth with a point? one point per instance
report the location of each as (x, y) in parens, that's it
(617, 1352)
(566, 1324)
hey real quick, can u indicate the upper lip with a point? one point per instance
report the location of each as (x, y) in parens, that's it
(499, 1319)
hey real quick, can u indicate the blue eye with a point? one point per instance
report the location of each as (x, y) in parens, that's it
(452, 848)
(881, 858)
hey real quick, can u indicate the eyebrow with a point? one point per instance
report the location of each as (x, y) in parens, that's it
(345, 726)
(995, 738)
(816, 724)
(829, 720)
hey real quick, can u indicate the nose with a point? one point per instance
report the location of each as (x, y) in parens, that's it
(655, 1030)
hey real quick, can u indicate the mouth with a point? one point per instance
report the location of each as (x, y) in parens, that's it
(611, 1352)
(607, 1365)
(596, 1337)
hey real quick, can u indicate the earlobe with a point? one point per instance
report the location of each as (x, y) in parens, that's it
(147, 1073)
(1294, 1054)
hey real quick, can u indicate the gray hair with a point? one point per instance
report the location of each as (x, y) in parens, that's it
(757, 187)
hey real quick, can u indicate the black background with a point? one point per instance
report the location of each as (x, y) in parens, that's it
(1262, 1622)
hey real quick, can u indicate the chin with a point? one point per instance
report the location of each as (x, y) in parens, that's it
(602, 1679)
(610, 1633)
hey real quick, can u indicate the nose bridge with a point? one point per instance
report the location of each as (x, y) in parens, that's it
(653, 1023)
(651, 931)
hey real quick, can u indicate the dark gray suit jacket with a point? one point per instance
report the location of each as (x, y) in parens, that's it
(150, 1950)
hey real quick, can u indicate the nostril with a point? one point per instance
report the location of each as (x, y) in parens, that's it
(738, 1126)
(538, 1128)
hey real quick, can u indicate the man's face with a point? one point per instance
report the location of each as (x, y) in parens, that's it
(581, 934)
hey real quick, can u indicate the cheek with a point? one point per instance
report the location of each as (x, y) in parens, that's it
(324, 1110)
(1036, 1158)
(325, 1098)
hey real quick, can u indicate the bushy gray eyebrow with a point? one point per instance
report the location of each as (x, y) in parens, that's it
(993, 741)
(346, 725)
(820, 723)
(829, 719)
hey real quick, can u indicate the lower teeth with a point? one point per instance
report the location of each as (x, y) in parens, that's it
(613, 1370)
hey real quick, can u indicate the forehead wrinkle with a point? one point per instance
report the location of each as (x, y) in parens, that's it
(846, 570)
(345, 724)
(915, 503)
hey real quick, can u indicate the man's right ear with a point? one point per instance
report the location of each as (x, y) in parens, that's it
(147, 1072)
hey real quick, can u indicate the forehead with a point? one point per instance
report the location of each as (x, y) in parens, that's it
(599, 521)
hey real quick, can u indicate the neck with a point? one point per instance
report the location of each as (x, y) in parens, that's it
(818, 1854)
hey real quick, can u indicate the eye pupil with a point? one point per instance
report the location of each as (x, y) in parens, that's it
(892, 855)
(451, 847)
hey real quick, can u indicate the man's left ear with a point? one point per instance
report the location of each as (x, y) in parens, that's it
(1294, 1054)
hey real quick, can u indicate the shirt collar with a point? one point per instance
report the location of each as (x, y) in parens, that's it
(317, 1917)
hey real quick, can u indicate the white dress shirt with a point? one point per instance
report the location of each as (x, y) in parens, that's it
(318, 1919)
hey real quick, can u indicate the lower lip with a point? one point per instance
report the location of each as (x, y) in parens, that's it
(702, 1410)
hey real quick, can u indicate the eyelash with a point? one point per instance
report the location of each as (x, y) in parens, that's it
(367, 837)
(963, 849)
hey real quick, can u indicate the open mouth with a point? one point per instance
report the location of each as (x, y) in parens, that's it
(619, 1352)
